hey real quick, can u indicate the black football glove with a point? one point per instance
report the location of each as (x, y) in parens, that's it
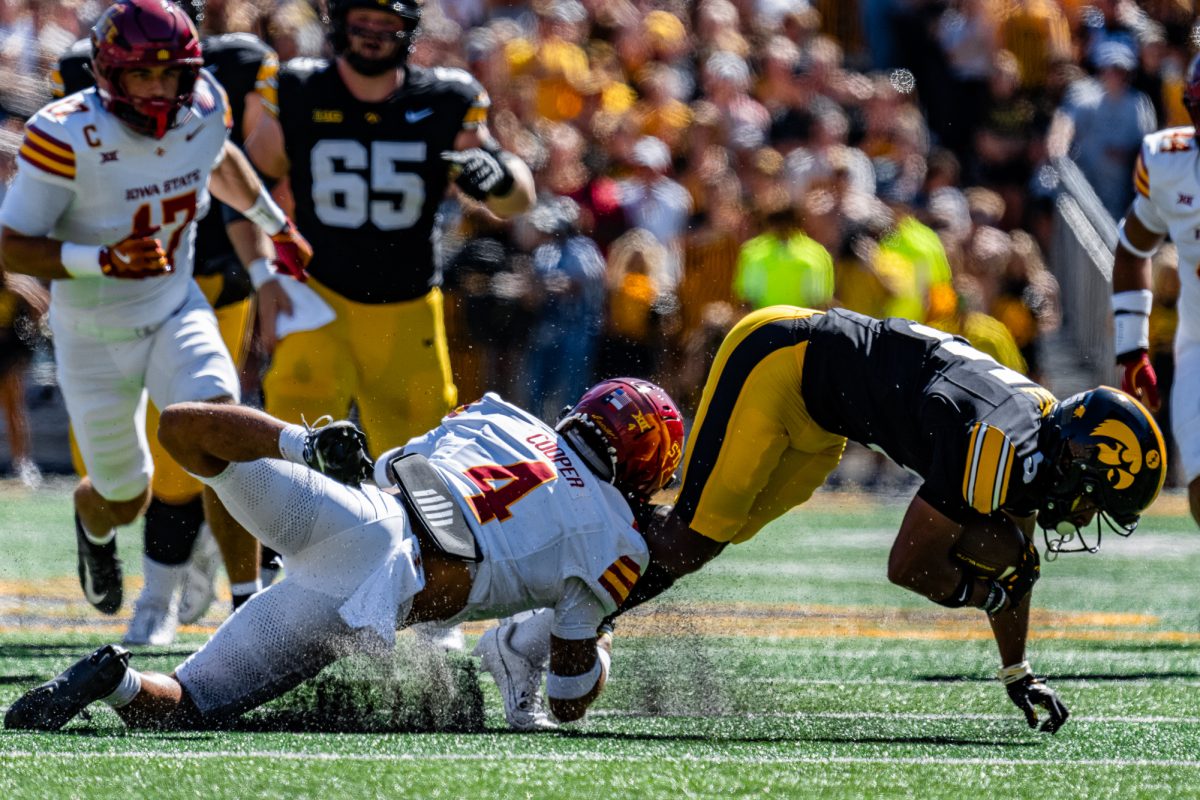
(1028, 692)
(339, 450)
(480, 172)
(1022, 580)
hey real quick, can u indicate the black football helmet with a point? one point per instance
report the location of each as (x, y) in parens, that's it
(409, 11)
(1104, 447)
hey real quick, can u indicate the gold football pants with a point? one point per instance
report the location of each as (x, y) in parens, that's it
(754, 452)
(391, 359)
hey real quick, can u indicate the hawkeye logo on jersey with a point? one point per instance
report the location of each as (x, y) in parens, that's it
(327, 115)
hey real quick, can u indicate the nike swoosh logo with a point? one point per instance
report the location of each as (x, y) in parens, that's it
(193, 134)
(89, 590)
(416, 116)
(123, 259)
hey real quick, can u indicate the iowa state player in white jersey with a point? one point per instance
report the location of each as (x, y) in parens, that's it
(496, 512)
(110, 182)
(1167, 203)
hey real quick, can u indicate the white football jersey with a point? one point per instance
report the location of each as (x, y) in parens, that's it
(539, 515)
(121, 182)
(1167, 180)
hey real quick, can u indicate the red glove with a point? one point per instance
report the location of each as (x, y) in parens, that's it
(1138, 378)
(134, 258)
(292, 251)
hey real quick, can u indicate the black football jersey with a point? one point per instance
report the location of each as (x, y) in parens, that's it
(367, 178)
(241, 63)
(935, 405)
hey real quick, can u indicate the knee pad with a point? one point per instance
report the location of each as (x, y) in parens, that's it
(171, 530)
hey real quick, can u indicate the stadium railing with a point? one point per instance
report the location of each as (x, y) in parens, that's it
(1084, 238)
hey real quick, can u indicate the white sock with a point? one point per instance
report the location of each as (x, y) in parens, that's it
(245, 588)
(99, 541)
(160, 582)
(126, 690)
(291, 443)
(531, 636)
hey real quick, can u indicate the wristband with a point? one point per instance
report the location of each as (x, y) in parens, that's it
(997, 598)
(291, 443)
(1128, 245)
(260, 271)
(266, 214)
(1131, 320)
(1014, 673)
(573, 687)
(959, 597)
(81, 260)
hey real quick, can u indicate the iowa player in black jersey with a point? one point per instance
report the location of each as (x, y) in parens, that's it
(370, 145)
(789, 386)
(247, 69)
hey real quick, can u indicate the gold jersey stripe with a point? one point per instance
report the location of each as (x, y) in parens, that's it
(51, 147)
(45, 164)
(1141, 177)
(989, 461)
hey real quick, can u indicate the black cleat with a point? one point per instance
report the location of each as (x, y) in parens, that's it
(99, 571)
(53, 704)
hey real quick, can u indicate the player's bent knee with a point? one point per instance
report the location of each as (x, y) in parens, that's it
(177, 432)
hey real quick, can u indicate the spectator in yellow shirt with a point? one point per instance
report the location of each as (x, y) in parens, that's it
(782, 266)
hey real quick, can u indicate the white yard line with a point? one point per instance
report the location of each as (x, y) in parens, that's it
(907, 716)
(575, 757)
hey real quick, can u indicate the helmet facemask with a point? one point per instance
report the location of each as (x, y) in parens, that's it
(1110, 453)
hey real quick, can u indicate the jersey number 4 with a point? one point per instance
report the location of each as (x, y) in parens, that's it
(388, 196)
(502, 486)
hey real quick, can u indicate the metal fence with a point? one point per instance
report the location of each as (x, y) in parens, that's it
(1085, 236)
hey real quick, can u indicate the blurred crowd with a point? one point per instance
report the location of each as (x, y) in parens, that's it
(696, 159)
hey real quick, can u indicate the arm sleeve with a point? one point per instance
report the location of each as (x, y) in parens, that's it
(578, 613)
(32, 206)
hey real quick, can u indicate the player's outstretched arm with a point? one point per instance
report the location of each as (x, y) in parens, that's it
(675, 551)
(495, 177)
(1132, 299)
(205, 437)
(235, 184)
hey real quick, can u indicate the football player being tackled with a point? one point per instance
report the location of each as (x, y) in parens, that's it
(790, 386)
(490, 513)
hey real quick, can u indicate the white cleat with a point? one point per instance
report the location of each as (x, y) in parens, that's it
(199, 584)
(519, 681)
(152, 624)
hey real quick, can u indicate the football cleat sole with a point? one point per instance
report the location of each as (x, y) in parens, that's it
(56, 702)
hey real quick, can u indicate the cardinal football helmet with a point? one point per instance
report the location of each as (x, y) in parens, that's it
(1191, 90)
(629, 431)
(409, 11)
(142, 34)
(1104, 448)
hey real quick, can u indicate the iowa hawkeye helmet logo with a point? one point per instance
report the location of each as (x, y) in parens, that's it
(1123, 456)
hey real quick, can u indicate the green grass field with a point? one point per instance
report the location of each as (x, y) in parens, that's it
(789, 667)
